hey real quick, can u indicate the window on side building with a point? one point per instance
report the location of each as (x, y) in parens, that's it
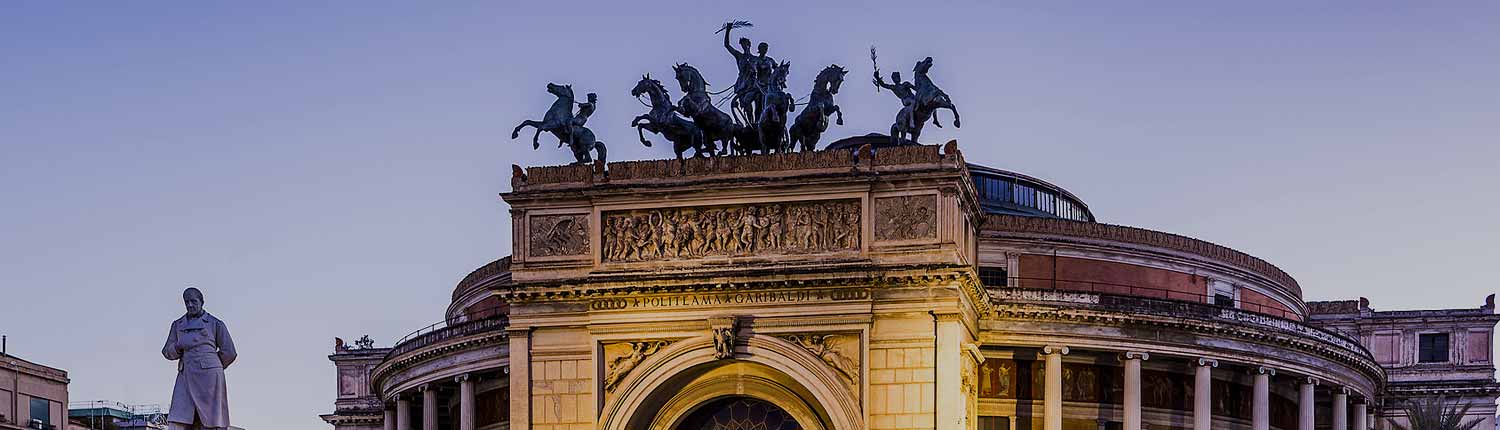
(41, 411)
(1432, 348)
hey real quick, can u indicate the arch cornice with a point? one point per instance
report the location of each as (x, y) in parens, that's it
(830, 396)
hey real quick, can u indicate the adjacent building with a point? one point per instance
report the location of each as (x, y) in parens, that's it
(873, 287)
(32, 396)
(1426, 353)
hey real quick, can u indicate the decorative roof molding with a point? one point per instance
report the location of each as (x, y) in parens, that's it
(648, 170)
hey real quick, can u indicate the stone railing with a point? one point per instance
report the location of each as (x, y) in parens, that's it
(1139, 236)
(706, 166)
(483, 321)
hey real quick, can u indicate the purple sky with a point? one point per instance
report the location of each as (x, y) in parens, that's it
(332, 170)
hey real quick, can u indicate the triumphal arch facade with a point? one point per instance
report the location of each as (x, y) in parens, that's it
(860, 287)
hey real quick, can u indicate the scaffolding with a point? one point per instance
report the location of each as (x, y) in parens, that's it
(111, 415)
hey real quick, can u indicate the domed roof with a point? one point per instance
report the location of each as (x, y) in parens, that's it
(1000, 191)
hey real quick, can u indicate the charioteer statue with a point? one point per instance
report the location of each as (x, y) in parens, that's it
(755, 74)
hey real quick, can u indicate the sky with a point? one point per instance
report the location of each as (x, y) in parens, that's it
(327, 169)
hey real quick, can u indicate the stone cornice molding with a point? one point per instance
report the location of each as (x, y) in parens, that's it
(1359, 361)
(395, 364)
(354, 418)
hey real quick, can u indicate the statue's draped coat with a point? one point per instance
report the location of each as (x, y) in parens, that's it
(202, 348)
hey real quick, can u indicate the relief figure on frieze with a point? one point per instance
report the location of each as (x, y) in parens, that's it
(731, 230)
(555, 235)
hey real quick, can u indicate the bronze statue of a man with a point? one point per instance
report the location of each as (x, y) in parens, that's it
(200, 344)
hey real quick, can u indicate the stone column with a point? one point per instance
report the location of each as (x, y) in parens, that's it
(949, 359)
(465, 402)
(520, 378)
(1203, 383)
(1132, 361)
(429, 406)
(390, 418)
(1305, 403)
(1260, 406)
(1052, 393)
(1361, 416)
(1340, 408)
(403, 412)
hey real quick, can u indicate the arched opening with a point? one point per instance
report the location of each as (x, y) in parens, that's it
(739, 413)
(684, 378)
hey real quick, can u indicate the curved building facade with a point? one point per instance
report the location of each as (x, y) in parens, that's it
(868, 288)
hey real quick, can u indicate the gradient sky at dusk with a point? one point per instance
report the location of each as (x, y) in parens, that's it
(332, 169)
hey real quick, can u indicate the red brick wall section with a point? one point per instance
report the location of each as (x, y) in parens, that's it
(1109, 277)
(1257, 302)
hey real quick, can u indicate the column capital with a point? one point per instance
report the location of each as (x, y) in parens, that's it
(464, 378)
(505, 370)
(1054, 349)
(425, 388)
(1135, 355)
(1206, 362)
(518, 331)
(1308, 380)
(1263, 370)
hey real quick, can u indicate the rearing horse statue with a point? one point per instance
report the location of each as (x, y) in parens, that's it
(697, 104)
(558, 119)
(929, 98)
(813, 120)
(663, 120)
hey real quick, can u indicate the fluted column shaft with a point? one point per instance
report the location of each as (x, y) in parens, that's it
(403, 413)
(1203, 380)
(390, 419)
(1361, 417)
(465, 402)
(1052, 388)
(1305, 403)
(1260, 404)
(1133, 389)
(429, 407)
(1340, 409)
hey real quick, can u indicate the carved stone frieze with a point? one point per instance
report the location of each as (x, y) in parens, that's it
(731, 230)
(622, 357)
(559, 235)
(906, 217)
(840, 351)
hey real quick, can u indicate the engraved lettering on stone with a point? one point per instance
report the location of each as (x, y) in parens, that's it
(906, 218)
(554, 235)
(712, 231)
(621, 358)
(839, 351)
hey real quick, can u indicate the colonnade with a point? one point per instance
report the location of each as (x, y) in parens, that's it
(399, 416)
(1202, 411)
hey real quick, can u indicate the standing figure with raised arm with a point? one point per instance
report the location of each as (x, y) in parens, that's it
(201, 345)
(747, 95)
(907, 92)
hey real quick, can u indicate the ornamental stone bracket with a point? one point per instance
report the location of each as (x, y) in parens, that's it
(724, 331)
(622, 357)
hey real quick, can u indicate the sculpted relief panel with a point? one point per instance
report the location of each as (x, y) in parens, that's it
(839, 351)
(622, 357)
(732, 230)
(906, 218)
(558, 235)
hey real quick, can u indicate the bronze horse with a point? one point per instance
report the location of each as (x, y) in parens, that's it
(663, 120)
(697, 104)
(560, 121)
(813, 120)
